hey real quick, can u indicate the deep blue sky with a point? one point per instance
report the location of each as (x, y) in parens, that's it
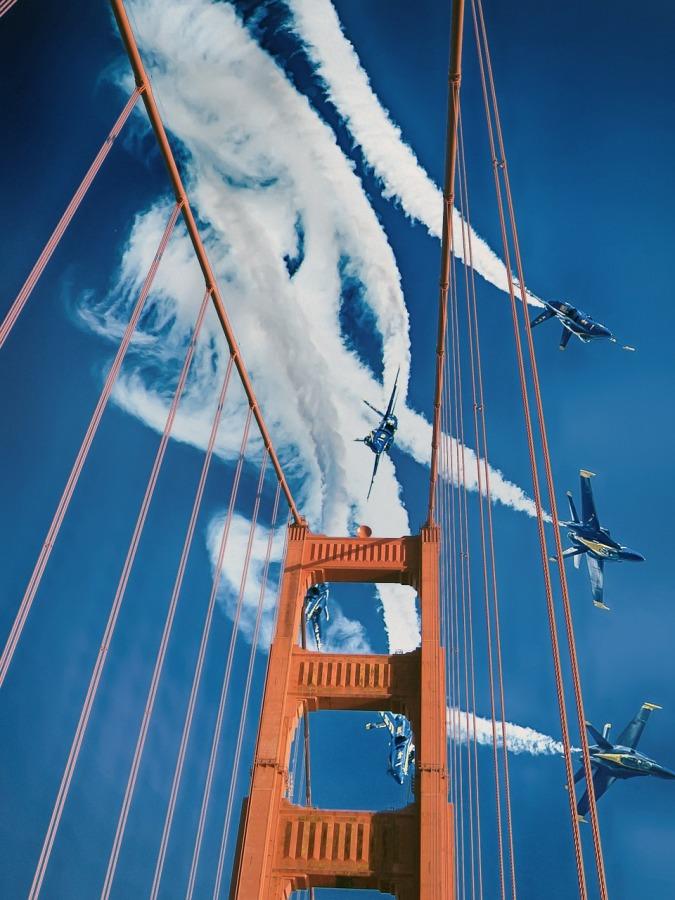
(587, 103)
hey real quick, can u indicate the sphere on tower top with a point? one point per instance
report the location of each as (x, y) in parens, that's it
(364, 531)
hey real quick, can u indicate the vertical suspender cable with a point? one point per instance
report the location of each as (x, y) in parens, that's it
(78, 465)
(484, 500)
(247, 693)
(114, 613)
(65, 220)
(463, 547)
(569, 626)
(564, 727)
(218, 727)
(196, 679)
(467, 611)
(164, 642)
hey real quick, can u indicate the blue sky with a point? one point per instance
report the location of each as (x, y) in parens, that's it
(586, 98)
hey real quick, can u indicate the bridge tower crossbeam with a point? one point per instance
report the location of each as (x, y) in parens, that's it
(284, 847)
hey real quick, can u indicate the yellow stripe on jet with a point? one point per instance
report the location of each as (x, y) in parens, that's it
(651, 706)
(596, 546)
(586, 474)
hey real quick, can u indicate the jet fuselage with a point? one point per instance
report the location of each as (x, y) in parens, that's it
(623, 762)
(598, 543)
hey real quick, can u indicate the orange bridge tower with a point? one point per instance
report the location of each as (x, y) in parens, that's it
(284, 847)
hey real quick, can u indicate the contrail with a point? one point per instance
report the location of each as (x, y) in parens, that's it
(393, 162)
(519, 738)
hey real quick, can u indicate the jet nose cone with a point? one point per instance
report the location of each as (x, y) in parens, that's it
(666, 773)
(632, 556)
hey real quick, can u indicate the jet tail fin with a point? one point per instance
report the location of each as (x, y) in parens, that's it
(573, 509)
(632, 733)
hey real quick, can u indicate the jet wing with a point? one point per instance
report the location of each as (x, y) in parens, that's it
(632, 733)
(377, 462)
(597, 576)
(392, 399)
(588, 514)
(602, 780)
(542, 317)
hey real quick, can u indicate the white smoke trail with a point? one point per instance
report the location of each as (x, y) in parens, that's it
(394, 163)
(519, 739)
(287, 222)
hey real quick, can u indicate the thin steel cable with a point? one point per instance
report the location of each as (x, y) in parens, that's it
(164, 642)
(467, 614)
(199, 665)
(454, 660)
(451, 379)
(244, 706)
(102, 656)
(557, 665)
(567, 609)
(6, 6)
(22, 297)
(464, 595)
(78, 465)
(224, 691)
(484, 497)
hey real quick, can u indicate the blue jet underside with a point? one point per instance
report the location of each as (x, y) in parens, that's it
(590, 538)
(381, 438)
(401, 746)
(611, 762)
(574, 322)
(316, 610)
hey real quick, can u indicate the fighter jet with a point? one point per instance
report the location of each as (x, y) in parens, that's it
(574, 322)
(316, 610)
(621, 760)
(588, 536)
(381, 438)
(401, 747)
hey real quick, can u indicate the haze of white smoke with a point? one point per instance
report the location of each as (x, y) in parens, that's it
(287, 225)
(519, 739)
(393, 162)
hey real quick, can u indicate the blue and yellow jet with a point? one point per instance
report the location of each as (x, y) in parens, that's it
(619, 761)
(316, 610)
(401, 746)
(574, 322)
(590, 538)
(381, 438)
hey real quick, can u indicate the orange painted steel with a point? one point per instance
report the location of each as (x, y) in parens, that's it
(454, 76)
(143, 83)
(283, 846)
